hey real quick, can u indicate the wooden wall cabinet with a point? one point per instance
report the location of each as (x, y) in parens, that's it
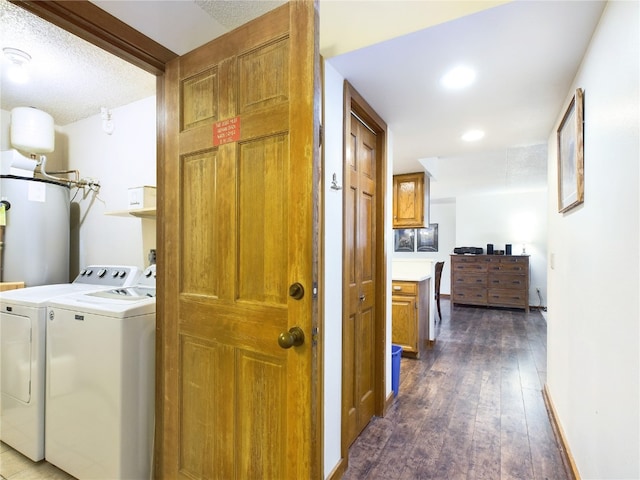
(490, 280)
(411, 200)
(410, 316)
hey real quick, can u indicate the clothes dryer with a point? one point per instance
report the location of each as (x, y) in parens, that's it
(100, 390)
(22, 352)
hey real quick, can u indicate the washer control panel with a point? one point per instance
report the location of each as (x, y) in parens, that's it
(109, 275)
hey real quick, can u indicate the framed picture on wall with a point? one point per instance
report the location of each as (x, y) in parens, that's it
(404, 240)
(571, 155)
(427, 238)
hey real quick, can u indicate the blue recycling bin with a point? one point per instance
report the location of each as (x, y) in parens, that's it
(396, 353)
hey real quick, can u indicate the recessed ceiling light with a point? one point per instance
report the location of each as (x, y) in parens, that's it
(459, 77)
(473, 135)
(17, 72)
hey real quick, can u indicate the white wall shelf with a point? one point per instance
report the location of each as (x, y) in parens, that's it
(142, 213)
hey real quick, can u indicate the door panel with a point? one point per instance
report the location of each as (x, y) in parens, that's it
(200, 258)
(262, 225)
(238, 229)
(202, 409)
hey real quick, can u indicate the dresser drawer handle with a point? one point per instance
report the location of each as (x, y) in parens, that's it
(397, 289)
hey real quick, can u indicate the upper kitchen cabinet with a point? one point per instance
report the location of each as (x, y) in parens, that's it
(411, 200)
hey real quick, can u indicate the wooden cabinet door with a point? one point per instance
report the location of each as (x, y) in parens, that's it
(238, 196)
(410, 201)
(404, 314)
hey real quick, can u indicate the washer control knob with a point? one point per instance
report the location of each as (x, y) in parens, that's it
(101, 272)
(115, 273)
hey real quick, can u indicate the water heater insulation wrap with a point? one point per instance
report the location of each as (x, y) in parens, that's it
(37, 234)
(32, 130)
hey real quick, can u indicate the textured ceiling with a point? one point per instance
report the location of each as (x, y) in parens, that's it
(68, 77)
(233, 14)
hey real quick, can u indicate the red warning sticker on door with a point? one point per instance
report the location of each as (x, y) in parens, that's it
(226, 131)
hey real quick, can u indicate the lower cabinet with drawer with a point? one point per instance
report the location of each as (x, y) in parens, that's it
(410, 316)
(491, 280)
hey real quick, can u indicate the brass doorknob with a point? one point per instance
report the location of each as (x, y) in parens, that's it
(293, 338)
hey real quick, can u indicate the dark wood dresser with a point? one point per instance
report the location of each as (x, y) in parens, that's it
(490, 280)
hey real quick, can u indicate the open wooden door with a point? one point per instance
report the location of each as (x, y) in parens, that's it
(238, 262)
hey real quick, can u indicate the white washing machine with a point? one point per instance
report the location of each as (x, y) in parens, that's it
(100, 388)
(22, 352)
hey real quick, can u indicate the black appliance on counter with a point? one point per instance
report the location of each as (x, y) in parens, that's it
(468, 250)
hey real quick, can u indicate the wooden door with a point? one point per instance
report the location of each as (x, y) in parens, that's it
(359, 324)
(239, 210)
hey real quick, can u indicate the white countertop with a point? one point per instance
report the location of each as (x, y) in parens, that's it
(411, 270)
(408, 277)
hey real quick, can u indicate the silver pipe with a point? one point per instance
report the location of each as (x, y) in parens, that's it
(42, 164)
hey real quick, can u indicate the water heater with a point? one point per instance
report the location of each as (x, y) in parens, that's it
(35, 247)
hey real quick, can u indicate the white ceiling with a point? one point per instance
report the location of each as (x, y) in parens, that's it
(68, 78)
(526, 54)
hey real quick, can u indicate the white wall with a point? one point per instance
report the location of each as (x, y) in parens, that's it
(5, 120)
(127, 158)
(593, 361)
(508, 218)
(333, 133)
(444, 214)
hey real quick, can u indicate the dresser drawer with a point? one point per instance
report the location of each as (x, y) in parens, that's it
(508, 264)
(470, 295)
(501, 280)
(469, 279)
(507, 297)
(404, 288)
(469, 264)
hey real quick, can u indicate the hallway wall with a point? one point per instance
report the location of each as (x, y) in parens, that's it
(594, 262)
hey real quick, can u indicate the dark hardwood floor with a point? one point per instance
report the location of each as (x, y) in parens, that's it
(470, 408)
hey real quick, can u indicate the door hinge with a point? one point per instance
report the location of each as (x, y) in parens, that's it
(320, 136)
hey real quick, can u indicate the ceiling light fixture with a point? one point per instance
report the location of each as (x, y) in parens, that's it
(17, 72)
(473, 135)
(459, 77)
